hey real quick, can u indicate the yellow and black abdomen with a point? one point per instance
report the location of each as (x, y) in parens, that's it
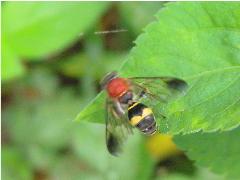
(142, 118)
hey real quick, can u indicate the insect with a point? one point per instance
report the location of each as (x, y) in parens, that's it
(127, 105)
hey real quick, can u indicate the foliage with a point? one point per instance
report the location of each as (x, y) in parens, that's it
(219, 151)
(210, 69)
(52, 62)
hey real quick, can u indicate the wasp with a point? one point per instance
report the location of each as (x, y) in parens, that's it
(128, 105)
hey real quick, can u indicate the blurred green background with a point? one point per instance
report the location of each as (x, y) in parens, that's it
(52, 61)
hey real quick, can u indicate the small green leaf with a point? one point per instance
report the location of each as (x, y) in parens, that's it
(38, 29)
(219, 151)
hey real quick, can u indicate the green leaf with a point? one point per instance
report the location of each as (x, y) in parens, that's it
(219, 151)
(186, 50)
(38, 29)
(11, 65)
(211, 103)
(94, 111)
(188, 38)
(198, 42)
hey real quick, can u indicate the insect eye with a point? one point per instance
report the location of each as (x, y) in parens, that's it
(124, 99)
(107, 78)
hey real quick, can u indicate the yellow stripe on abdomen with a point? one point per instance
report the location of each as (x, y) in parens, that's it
(136, 119)
(136, 103)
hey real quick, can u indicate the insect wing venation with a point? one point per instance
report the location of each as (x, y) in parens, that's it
(161, 89)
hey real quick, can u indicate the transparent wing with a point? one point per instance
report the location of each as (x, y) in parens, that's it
(117, 128)
(161, 89)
